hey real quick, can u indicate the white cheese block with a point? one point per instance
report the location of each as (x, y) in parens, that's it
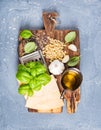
(47, 98)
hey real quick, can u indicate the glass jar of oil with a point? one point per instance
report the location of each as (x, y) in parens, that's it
(71, 79)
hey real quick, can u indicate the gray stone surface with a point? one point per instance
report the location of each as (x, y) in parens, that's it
(82, 14)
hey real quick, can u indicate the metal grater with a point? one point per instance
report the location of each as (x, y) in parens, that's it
(35, 56)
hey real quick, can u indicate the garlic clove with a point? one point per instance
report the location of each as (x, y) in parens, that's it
(65, 59)
(72, 47)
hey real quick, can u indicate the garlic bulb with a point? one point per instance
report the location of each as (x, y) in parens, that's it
(56, 67)
(72, 47)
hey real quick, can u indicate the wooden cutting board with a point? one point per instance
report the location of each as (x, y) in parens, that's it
(49, 19)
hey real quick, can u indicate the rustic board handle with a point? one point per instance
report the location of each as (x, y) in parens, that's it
(49, 19)
(73, 98)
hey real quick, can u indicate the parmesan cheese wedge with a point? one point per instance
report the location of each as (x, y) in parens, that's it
(47, 98)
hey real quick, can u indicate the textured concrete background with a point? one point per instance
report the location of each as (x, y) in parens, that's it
(82, 14)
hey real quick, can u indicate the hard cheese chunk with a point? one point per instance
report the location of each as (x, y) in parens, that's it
(47, 98)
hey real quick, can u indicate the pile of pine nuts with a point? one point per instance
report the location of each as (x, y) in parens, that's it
(54, 50)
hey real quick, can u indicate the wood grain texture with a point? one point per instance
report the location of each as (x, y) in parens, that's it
(56, 110)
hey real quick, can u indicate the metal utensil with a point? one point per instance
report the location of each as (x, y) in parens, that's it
(35, 56)
(78, 80)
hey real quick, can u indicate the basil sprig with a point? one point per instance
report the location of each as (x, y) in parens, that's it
(26, 34)
(24, 89)
(32, 76)
(30, 47)
(70, 36)
(73, 61)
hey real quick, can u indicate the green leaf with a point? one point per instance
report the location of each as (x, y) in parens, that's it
(33, 72)
(35, 85)
(33, 76)
(38, 88)
(23, 68)
(39, 81)
(30, 64)
(30, 92)
(32, 84)
(23, 76)
(73, 61)
(44, 78)
(23, 89)
(30, 47)
(70, 36)
(40, 69)
(37, 69)
(26, 34)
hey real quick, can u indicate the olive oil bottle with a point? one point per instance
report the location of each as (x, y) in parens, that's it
(71, 79)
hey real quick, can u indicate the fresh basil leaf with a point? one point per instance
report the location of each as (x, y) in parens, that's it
(35, 84)
(33, 76)
(22, 67)
(30, 64)
(70, 36)
(30, 92)
(38, 88)
(23, 89)
(39, 81)
(26, 34)
(73, 61)
(32, 84)
(34, 72)
(23, 76)
(40, 69)
(44, 78)
(30, 47)
(37, 69)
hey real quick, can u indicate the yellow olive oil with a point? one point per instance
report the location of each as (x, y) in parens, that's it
(71, 80)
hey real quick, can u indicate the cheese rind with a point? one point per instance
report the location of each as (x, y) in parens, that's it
(47, 98)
